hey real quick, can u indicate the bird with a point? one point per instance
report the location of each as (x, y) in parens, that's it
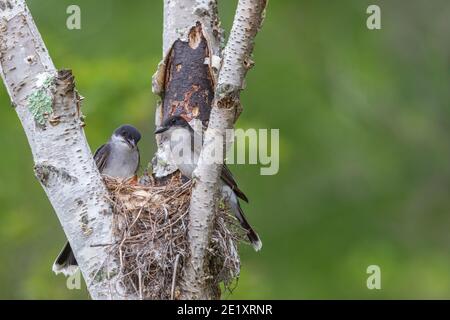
(183, 137)
(118, 158)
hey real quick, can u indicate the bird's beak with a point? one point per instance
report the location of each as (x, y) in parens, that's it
(161, 130)
(131, 143)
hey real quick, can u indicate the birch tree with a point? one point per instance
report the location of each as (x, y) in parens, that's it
(236, 61)
(48, 106)
(196, 77)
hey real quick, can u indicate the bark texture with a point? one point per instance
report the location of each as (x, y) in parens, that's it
(188, 82)
(48, 107)
(226, 108)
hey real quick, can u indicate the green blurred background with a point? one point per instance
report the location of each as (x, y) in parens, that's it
(364, 144)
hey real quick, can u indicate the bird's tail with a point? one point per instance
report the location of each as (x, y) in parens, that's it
(251, 234)
(65, 263)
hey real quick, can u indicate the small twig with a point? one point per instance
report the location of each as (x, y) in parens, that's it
(174, 276)
(140, 283)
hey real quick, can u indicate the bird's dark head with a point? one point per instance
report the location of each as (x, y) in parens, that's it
(173, 122)
(128, 134)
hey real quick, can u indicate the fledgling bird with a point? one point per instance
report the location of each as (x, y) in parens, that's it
(229, 189)
(118, 158)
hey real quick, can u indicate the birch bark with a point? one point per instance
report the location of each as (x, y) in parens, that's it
(48, 107)
(226, 108)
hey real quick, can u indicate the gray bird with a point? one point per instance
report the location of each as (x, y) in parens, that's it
(182, 137)
(118, 158)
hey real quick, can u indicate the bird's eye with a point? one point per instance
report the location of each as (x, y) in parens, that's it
(173, 121)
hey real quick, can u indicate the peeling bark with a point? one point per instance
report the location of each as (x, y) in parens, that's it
(48, 107)
(188, 82)
(187, 74)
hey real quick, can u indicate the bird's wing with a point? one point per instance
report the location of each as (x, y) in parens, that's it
(228, 178)
(139, 160)
(226, 175)
(101, 156)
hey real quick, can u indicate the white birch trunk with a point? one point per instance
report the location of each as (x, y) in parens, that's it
(236, 62)
(63, 161)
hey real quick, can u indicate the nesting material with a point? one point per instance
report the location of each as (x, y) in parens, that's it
(151, 225)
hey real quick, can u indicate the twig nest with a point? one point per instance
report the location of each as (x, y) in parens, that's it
(152, 245)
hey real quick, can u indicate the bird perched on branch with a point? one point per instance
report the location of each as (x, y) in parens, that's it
(185, 152)
(118, 158)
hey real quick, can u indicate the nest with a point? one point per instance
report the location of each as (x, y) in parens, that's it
(150, 226)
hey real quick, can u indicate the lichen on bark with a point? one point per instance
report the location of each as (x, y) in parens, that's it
(40, 101)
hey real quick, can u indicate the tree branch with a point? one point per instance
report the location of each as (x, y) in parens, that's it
(236, 62)
(48, 107)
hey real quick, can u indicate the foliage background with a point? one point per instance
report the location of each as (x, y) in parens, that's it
(364, 131)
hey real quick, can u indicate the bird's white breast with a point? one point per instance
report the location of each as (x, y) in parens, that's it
(122, 161)
(182, 151)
